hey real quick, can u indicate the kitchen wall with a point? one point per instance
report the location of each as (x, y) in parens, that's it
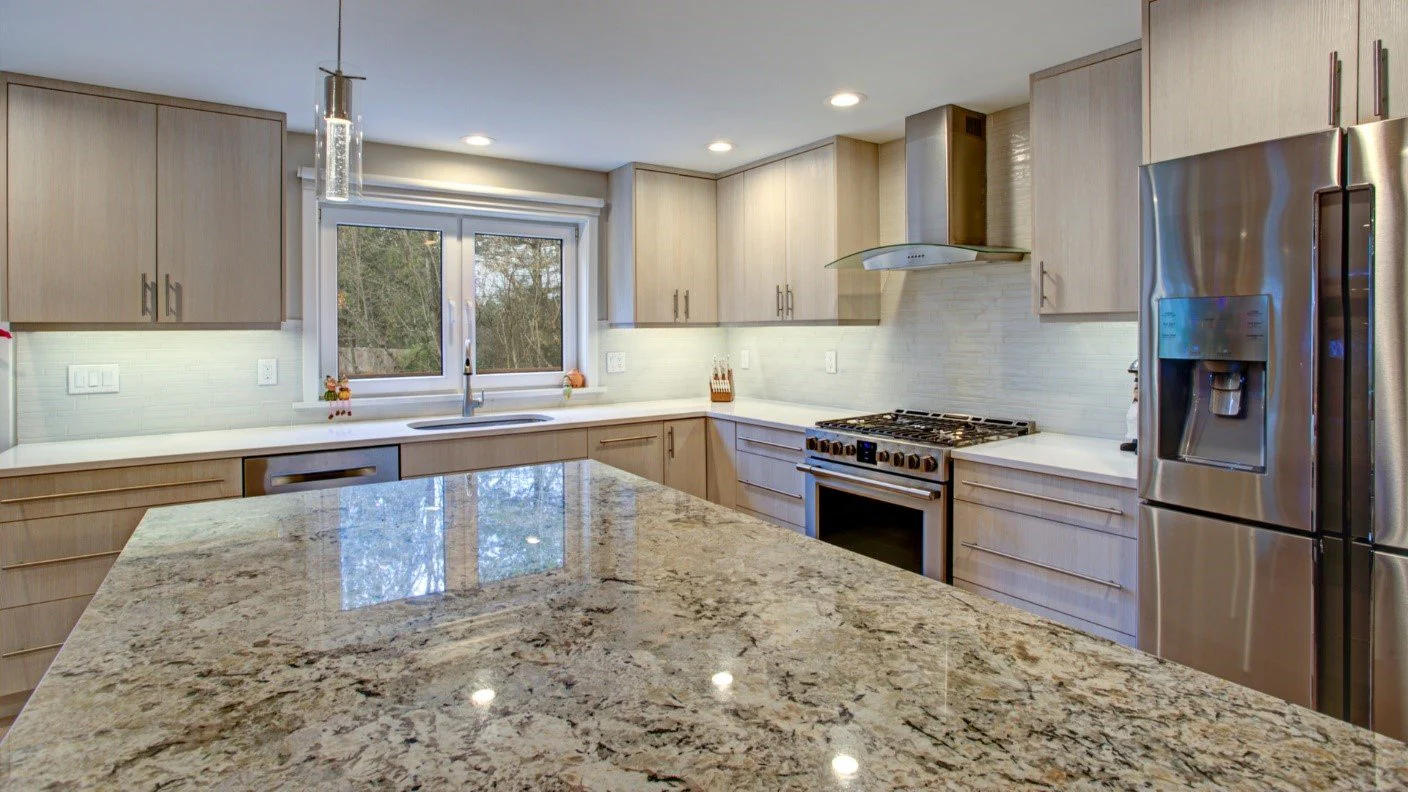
(958, 340)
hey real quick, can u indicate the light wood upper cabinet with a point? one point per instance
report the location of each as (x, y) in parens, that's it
(132, 208)
(1223, 74)
(81, 206)
(753, 244)
(1085, 185)
(686, 455)
(811, 289)
(219, 217)
(662, 248)
(1385, 23)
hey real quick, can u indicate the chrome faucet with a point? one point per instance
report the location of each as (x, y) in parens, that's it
(470, 403)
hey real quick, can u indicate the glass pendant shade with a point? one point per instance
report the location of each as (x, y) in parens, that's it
(338, 136)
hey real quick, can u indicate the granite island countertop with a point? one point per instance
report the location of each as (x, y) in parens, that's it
(572, 626)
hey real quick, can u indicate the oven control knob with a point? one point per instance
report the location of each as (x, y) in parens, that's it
(836, 447)
(897, 460)
(913, 461)
(883, 457)
(850, 450)
(811, 443)
(928, 464)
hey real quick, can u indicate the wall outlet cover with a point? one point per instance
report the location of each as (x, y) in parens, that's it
(268, 371)
(95, 378)
(615, 362)
(744, 360)
(830, 361)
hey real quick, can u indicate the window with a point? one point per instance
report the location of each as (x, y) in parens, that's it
(403, 291)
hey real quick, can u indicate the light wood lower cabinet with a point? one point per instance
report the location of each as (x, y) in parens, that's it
(754, 469)
(481, 453)
(722, 468)
(60, 534)
(686, 457)
(635, 448)
(1059, 547)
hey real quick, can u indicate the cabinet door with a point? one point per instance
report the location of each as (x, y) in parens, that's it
(1384, 22)
(697, 250)
(634, 448)
(811, 235)
(765, 244)
(1226, 74)
(82, 206)
(685, 456)
(722, 465)
(658, 276)
(1085, 188)
(732, 216)
(219, 217)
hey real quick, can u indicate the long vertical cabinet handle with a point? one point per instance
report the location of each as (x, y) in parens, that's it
(148, 297)
(677, 305)
(789, 300)
(1380, 63)
(779, 300)
(670, 438)
(1335, 88)
(1041, 284)
(174, 307)
(686, 305)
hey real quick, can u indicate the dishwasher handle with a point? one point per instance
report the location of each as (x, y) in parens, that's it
(365, 471)
(271, 475)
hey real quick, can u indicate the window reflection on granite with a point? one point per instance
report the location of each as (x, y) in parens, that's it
(521, 517)
(392, 541)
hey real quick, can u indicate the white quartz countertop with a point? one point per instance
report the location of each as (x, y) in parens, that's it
(32, 458)
(1086, 458)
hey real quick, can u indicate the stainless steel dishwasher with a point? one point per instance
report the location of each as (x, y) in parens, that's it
(270, 475)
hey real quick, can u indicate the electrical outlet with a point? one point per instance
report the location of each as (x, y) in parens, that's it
(743, 360)
(615, 362)
(100, 378)
(830, 361)
(268, 371)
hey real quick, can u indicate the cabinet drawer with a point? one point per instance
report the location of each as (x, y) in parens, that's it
(79, 492)
(766, 441)
(30, 629)
(1100, 506)
(779, 523)
(46, 582)
(1047, 613)
(768, 473)
(1080, 572)
(21, 673)
(635, 448)
(65, 538)
(782, 507)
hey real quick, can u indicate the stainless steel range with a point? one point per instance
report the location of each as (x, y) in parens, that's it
(875, 484)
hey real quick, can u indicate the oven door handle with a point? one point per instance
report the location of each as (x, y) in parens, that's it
(898, 489)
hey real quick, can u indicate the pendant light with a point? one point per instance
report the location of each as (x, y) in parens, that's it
(338, 130)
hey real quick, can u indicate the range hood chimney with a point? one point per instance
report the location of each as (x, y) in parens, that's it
(945, 197)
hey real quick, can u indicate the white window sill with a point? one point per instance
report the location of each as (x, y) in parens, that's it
(421, 403)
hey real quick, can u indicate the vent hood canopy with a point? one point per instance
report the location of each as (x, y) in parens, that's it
(945, 197)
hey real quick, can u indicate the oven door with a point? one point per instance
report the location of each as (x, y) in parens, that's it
(898, 520)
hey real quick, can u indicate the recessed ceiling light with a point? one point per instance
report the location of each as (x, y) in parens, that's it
(721, 146)
(477, 140)
(846, 99)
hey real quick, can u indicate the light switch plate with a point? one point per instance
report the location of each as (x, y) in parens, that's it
(93, 378)
(830, 361)
(744, 359)
(268, 371)
(615, 362)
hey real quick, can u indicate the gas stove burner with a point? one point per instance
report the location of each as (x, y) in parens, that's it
(949, 430)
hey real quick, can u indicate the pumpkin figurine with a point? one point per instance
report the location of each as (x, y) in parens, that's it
(344, 395)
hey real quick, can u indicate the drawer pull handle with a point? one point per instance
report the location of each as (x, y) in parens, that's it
(1048, 498)
(782, 446)
(615, 440)
(52, 561)
(111, 490)
(770, 489)
(31, 650)
(1058, 570)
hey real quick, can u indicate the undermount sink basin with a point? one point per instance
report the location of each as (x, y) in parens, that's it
(477, 422)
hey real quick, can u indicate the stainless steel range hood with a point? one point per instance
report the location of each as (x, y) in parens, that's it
(945, 197)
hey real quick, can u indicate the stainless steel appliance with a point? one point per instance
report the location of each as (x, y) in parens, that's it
(1274, 420)
(875, 484)
(270, 475)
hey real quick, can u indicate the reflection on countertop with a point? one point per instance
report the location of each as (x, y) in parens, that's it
(570, 625)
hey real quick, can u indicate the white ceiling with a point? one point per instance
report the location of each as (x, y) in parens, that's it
(590, 83)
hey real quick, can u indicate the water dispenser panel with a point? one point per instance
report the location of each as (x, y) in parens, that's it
(1215, 328)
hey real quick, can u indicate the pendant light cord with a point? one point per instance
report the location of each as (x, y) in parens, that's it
(339, 35)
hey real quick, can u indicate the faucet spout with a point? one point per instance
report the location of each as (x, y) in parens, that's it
(470, 402)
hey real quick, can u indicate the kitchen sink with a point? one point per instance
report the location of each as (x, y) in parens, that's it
(476, 422)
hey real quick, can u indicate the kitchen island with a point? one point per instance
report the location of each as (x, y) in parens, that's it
(570, 625)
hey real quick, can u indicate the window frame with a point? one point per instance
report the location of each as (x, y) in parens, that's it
(492, 209)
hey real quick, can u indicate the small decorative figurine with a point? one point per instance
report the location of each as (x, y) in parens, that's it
(338, 394)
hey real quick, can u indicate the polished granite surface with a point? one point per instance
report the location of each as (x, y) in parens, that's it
(571, 626)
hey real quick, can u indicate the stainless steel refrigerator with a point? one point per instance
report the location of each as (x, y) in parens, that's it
(1273, 456)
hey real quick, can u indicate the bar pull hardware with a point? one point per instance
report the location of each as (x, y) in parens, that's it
(323, 475)
(782, 446)
(31, 650)
(913, 492)
(1041, 283)
(52, 561)
(1380, 71)
(670, 438)
(1058, 570)
(1048, 498)
(677, 305)
(148, 297)
(770, 489)
(1335, 88)
(177, 306)
(686, 305)
(110, 490)
(779, 299)
(615, 440)
(789, 299)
